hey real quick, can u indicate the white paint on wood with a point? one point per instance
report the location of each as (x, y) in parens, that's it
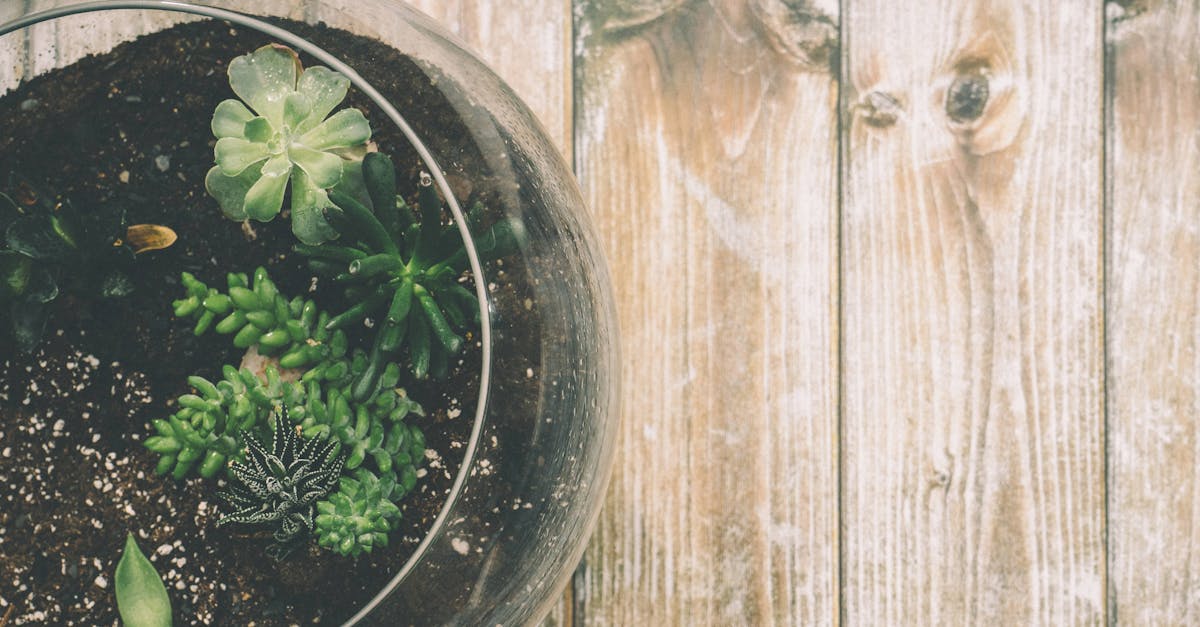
(528, 43)
(972, 442)
(708, 155)
(1153, 313)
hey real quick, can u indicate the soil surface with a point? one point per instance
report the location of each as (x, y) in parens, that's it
(132, 126)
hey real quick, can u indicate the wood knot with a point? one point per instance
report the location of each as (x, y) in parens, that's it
(879, 109)
(967, 97)
(983, 98)
(800, 31)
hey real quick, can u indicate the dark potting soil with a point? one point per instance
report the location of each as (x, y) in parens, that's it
(132, 126)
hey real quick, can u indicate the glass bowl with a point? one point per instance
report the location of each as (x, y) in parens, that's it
(511, 499)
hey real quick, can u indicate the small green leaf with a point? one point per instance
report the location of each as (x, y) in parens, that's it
(141, 596)
(258, 130)
(34, 236)
(379, 177)
(65, 222)
(308, 205)
(264, 199)
(230, 118)
(326, 89)
(296, 107)
(15, 270)
(235, 154)
(264, 78)
(345, 128)
(230, 191)
(325, 169)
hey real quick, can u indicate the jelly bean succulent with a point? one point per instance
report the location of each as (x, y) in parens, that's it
(256, 314)
(279, 488)
(51, 247)
(212, 423)
(281, 131)
(405, 270)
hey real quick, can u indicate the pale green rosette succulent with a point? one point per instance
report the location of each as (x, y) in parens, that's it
(286, 134)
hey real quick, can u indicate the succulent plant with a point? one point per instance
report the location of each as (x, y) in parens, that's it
(373, 430)
(393, 263)
(359, 516)
(257, 315)
(280, 488)
(285, 134)
(211, 425)
(51, 247)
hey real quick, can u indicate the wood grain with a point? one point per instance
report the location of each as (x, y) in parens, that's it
(1153, 315)
(706, 146)
(528, 43)
(972, 448)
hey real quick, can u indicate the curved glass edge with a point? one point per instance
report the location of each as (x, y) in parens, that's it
(543, 538)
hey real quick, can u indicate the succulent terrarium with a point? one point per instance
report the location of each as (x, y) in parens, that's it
(301, 323)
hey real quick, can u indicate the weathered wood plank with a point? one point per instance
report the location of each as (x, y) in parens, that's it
(706, 145)
(528, 43)
(972, 434)
(1153, 314)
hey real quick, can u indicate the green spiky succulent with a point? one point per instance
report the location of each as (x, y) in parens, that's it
(405, 271)
(285, 134)
(359, 516)
(280, 488)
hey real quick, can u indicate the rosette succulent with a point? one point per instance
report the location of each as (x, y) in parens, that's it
(281, 130)
(359, 515)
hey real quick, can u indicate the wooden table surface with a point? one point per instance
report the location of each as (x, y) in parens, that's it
(908, 298)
